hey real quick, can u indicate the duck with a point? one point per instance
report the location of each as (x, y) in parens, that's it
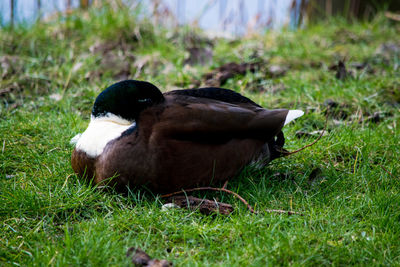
(140, 137)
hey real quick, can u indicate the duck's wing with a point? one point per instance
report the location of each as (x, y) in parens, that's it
(220, 94)
(207, 120)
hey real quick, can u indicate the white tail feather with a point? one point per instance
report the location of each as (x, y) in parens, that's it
(292, 115)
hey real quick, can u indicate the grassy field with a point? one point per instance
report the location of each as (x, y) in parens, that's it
(347, 185)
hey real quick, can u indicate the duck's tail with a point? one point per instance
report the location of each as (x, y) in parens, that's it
(284, 152)
(292, 115)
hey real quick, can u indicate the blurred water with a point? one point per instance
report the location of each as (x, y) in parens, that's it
(26, 11)
(233, 16)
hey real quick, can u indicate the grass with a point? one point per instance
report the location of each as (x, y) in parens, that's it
(350, 203)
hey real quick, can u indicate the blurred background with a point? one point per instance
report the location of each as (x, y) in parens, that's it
(48, 45)
(217, 17)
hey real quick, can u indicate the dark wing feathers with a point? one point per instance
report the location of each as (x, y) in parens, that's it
(194, 118)
(220, 94)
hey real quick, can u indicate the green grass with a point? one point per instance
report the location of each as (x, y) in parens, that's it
(351, 206)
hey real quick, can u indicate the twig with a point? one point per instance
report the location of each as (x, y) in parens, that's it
(392, 16)
(386, 170)
(65, 182)
(288, 212)
(212, 189)
(287, 153)
(232, 193)
(225, 184)
(355, 163)
(205, 206)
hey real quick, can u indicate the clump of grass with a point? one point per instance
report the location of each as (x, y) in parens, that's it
(341, 184)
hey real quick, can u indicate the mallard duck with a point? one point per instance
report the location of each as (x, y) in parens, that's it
(138, 136)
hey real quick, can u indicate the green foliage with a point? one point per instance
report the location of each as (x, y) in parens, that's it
(342, 186)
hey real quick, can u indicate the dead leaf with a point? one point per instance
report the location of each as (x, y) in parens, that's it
(56, 97)
(376, 117)
(338, 111)
(337, 122)
(300, 134)
(10, 65)
(152, 64)
(227, 71)
(386, 53)
(76, 67)
(275, 88)
(316, 176)
(116, 58)
(169, 206)
(342, 72)
(388, 49)
(393, 16)
(205, 206)
(359, 65)
(331, 103)
(199, 56)
(23, 87)
(276, 71)
(191, 39)
(6, 90)
(105, 47)
(141, 258)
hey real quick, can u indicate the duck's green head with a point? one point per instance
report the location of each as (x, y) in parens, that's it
(126, 99)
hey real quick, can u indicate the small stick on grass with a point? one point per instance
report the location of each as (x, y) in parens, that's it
(387, 171)
(288, 212)
(205, 206)
(212, 189)
(225, 184)
(232, 193)
(287, 153)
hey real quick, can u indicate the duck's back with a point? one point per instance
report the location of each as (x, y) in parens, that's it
(215, 93)
(195, 137)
